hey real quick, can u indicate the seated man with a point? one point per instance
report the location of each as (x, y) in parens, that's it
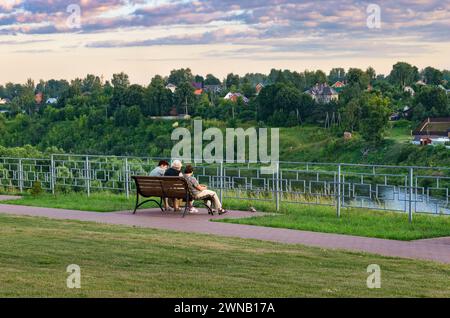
(160, 170)
(174, 171)
(201, 192)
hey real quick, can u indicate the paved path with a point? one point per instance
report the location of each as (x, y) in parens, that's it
(433, 249)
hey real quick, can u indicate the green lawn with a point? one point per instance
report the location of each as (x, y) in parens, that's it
(96, 202)
(400, 131)
(121, 261)
(359, 222)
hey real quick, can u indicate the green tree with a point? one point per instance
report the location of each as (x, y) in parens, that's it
(374, 118)
(184, 97)
(336, 74)
(91, 84)
(211, 80)
(232, 80)
(404, 74)
(357, 77)
(158, 100)
(120, 80)
(351, 115)
(371, 73)
(432, 76)
(434, 100)
(177, 77)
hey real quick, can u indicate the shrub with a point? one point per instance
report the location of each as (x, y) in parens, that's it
(36, 189)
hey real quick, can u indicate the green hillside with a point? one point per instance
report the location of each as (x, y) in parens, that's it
(315, 144)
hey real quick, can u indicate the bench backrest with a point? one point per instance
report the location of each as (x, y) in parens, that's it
(169, 187)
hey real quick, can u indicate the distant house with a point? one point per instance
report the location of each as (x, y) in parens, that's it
(432, 130)
(447, 91)
(172, 87)
(322, 93)
(213, 88)
(235, 96)
(259, 88)
(395, 116)
(198, 92)
(421, 83)
(410, 90)
(4, 101)
(407, 111)
(338, 84)
(51, 101)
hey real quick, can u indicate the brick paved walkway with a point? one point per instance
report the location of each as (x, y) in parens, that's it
(430, 249)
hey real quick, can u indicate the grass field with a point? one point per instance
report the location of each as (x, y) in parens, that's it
(359, 222)
(316, 144)
(120, 261)
(96, 202)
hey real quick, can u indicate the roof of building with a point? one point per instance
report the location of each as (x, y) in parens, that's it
(338, 84)
(51, 100)
(322, 90)
(234, 96)
(197, 85)
(211, 88)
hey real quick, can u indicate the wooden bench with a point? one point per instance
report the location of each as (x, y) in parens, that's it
(164, 187)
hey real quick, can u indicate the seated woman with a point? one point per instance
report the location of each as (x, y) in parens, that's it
(201, 192)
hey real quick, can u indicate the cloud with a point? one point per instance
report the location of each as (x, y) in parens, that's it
(272, 26)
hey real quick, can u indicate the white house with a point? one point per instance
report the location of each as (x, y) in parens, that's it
(421, 83)
(52, 101)
(322, 93)
(172, 87)
(410, 90)
(4, 101)
(235, 96)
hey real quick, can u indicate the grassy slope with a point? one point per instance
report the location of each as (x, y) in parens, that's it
(96, 202)
(380, 224)
(301, 217)
(311, 143)
(131, 262)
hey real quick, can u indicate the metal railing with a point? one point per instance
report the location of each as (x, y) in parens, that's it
(410, 189)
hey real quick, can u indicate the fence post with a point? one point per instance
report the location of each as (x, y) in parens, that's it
(127, 184)
(277, 188)
(411, 185)
(52, 174)
(87, 176)
(338, 198)
(20, 176)
(221, 183)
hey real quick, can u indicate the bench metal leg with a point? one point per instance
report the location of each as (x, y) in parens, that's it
(137, 202)
(210, 211)
(146, 201)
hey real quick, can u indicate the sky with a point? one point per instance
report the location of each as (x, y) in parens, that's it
(44, 39)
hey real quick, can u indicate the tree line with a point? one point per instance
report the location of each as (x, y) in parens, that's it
(92, 115)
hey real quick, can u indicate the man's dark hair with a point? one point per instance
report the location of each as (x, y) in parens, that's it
(163, 163)
(189, 169)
